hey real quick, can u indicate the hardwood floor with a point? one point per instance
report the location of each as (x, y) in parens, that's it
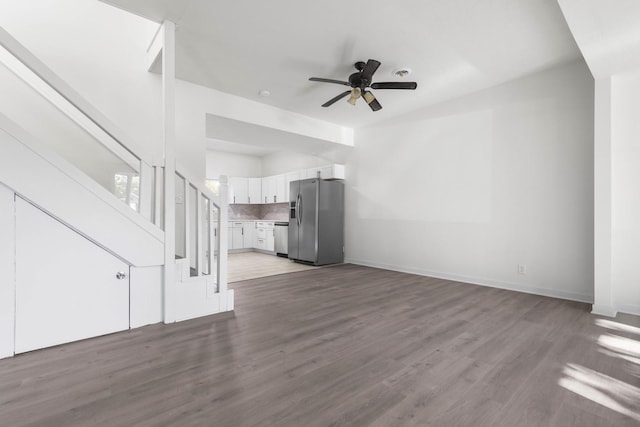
(252, 265)
(344, 346)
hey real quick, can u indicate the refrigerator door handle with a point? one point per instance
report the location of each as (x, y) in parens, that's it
(300, 209)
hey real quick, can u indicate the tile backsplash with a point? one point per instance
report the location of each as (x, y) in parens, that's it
(272, 211)
(244, 211)
(275, 211)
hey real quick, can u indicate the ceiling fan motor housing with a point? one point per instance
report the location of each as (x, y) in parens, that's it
(356, 81)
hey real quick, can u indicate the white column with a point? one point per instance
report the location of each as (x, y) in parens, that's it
(146, 190)
(199, 231)
(7, 272)
(223, 242)
(603, 303)
(169, 134)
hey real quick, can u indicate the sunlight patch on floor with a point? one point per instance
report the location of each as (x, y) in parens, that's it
(617, 326)
(602, 389)
(625, 348)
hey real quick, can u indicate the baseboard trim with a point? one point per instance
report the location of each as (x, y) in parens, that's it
(628, 309)
(571, 296)
(603, 310)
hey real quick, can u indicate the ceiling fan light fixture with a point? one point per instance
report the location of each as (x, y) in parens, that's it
(368, 97)
(401, 72)
(355, 94)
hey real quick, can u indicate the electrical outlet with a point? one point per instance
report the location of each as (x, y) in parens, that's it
(522, 269)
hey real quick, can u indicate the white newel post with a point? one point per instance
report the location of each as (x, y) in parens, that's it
(168, 122)
(7, 272)
(146, 190)
(223, 241)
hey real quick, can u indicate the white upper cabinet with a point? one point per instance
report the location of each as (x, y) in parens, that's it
(275, 189)
(326, 172)
(309, 173)
(268, 189)
(332, 172)
(238, 190)
(280, 189)
(255, 190)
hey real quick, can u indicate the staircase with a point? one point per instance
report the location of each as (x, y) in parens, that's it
(62, 156)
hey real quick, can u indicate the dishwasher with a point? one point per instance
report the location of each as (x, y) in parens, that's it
(281, 238)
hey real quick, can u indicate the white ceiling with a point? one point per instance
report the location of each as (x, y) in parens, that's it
(608, 33)
(454, 47)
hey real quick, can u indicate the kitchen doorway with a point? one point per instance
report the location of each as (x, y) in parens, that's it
(253, 265)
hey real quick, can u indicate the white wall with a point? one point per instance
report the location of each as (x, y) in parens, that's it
(625, 193)
(288, 161)
(101, 52)
(7, 270)
(471, 188)
(232, 164)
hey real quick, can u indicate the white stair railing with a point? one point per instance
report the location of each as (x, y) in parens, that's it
(201, 227)
(134, 179)
(85, 137)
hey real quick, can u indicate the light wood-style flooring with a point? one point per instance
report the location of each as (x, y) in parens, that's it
(252, 265)
(344, 346)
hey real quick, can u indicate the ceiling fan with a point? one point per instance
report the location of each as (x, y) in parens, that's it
(360, 81)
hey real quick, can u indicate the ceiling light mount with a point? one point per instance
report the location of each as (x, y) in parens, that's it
(401, 72)
(264, 93)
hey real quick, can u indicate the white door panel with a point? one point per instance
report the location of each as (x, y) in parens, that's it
(66, 286)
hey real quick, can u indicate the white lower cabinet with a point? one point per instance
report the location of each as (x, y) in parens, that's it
(264, 236)
(247, 234)
(270, 243)
(236, 238)
(252, 235)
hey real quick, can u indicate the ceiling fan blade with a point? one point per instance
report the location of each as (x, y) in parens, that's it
(368, 70)
(320, 79)
(337, 98)
(372, 101)
(394, 85)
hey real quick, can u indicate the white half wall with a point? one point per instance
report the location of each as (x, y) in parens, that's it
(145, 296)
(286, 161)
(194, 103)
(232, 164)
(495, 188)
(625, 192)
(7, 271)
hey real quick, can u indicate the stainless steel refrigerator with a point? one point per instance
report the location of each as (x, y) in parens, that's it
(316, 221)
